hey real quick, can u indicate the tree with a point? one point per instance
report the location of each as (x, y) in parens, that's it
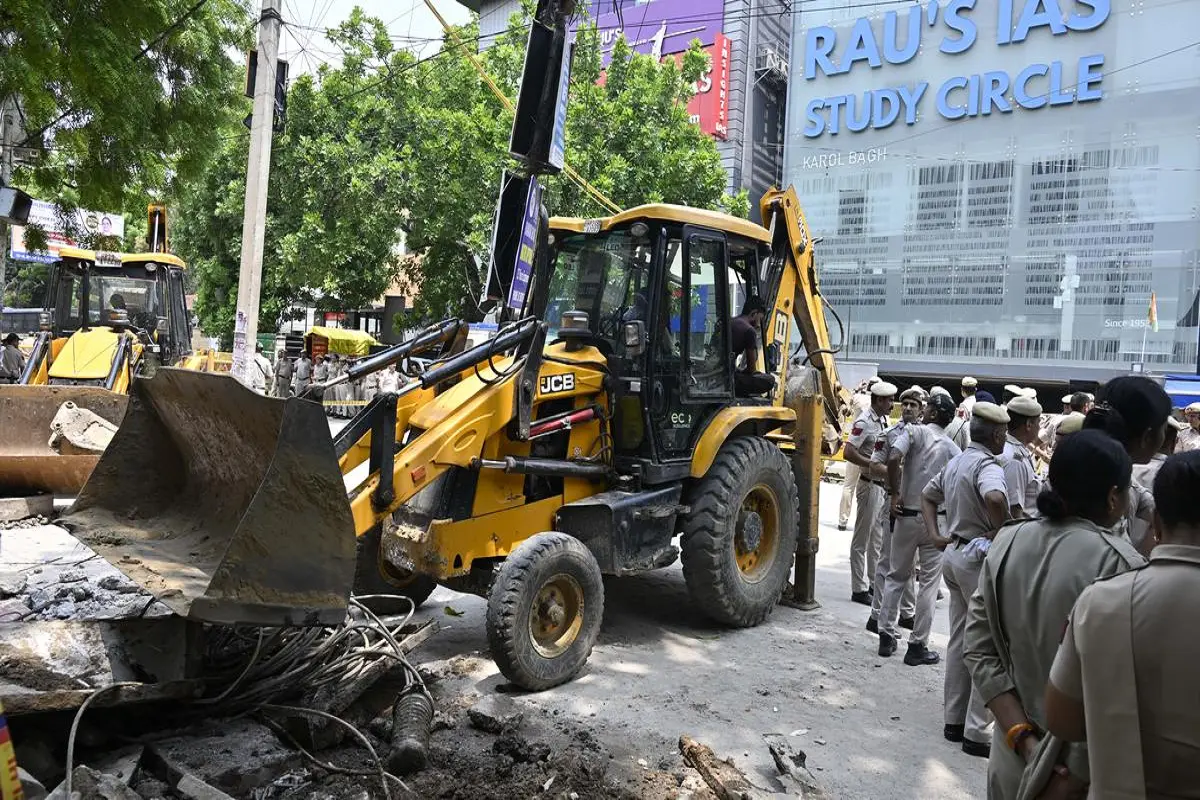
(120, 98)
(386, 148)
(630, 137)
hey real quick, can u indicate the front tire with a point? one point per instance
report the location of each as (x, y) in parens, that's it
(740, 536)
(544, 611)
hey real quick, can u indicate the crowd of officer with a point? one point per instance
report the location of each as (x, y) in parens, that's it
(1032, 519)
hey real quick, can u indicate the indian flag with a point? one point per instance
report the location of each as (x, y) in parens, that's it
(1152, 314)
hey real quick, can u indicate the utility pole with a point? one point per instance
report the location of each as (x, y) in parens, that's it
(7, 136)
(258, 173)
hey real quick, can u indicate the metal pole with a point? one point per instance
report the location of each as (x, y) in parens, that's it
(6, 163)
(258, 171)
(807, 466)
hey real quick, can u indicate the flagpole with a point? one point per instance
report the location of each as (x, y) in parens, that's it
(1145, 330)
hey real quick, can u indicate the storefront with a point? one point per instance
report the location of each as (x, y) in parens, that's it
(1004, 187)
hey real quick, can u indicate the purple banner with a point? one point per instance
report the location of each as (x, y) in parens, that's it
(656, 27)
(523, 269)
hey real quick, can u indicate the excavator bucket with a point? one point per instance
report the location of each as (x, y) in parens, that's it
(34, 455)
(226, 505)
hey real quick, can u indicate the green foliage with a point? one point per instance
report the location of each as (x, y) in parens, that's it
(386, 148)
(119, 127)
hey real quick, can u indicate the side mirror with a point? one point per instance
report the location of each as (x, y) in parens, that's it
(634, 336)
(771, 357)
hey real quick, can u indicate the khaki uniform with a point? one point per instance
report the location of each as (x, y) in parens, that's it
(1187, 440)
(926, 450)
(961, 486)
(883, 564)
(283, 377)
(1032, 575)
(12, 363)
(1144, 474)
(959, 432)
(1020, 477)
(871, 496)
(1142, 707)
(862, 403)
(1136, 525)
(966, 407)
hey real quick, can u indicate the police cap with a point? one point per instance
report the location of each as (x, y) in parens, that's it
(884, 389)
(1024, 407)
(969, 382)
(990, 412)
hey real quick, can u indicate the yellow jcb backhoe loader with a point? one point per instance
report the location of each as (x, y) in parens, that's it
(108, 317)
(521, 469)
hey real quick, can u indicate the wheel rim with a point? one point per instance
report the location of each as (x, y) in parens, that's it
(756, 537)
(556, 616)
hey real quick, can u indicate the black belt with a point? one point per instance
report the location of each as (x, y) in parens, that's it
(880, 484)
(907, 512)
(960, 539)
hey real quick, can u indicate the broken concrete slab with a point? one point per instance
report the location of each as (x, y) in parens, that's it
(48, 666)
(726, 780)
(13, 509)
(495, 715)
(95, 785)
(12, 584)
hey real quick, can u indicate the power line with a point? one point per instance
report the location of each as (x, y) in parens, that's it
(155, 41)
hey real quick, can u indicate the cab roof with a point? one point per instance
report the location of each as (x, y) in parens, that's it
(666, 212)
(107, 258)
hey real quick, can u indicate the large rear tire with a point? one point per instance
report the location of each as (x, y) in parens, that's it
(739, 538)
(544, 611)
(370, 580)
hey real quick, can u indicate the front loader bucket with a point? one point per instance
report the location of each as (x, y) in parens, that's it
(226, 505)
(28, 462)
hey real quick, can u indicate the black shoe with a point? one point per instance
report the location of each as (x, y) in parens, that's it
(907, 623)
(872, 625)
(841, 526)
(863, 598)
(954, 733)
(887, 645)
(978, 749)
(919, 655)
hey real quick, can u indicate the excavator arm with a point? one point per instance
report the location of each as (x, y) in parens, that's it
(791, 274)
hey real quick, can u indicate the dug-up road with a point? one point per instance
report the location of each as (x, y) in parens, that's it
(871, 727)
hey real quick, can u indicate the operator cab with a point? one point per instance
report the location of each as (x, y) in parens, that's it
(140, 292)
(672, 360)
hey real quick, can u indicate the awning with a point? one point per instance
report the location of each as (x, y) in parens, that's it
(1183, 389)
(341, 341)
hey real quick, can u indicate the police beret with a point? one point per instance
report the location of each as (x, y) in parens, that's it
(969, 382)
(1024, 406)
(1193, 408)
(1071, 423)
(874, 379)
(1177, 424)
(1066, 399)
(884, 389)
(913, 393)
(1012, 388)
(935, 391)
(990, 412)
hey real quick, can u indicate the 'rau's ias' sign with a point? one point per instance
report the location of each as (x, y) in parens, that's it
(954, 27)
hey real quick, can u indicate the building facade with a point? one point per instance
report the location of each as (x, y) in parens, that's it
(740, 103)
(1009, 188)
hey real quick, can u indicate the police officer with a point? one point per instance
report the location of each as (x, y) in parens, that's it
(922, 451)
(283, 374)
(972, 488)
(859, 447)
(1124, 679)
(304, 372)
(1189, 439)
(1020, 476)
(861, 402)
(911, 406)
(969, 387)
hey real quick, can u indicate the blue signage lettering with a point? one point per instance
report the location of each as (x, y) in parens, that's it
(960, 96)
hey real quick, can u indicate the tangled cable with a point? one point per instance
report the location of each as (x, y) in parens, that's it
(251, 669)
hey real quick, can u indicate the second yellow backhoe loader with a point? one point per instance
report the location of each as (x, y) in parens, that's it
(108, 317)
(522, 469)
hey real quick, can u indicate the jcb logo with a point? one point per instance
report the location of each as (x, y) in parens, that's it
(781, 327)
(554, 384)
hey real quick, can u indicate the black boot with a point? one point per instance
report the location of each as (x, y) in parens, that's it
(907, 623)
(919, 655)
(887, 645)
(872, 625)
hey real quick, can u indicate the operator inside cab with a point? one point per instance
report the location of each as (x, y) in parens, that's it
(745, 336)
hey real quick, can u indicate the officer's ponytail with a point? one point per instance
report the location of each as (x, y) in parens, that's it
(1084, 469)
